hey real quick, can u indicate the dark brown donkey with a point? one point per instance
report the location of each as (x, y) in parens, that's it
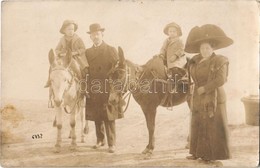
(150, 88)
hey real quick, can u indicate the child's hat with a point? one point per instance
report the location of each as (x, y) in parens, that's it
(206, 33)
(66, 23)
(165, 30)
(95, 27)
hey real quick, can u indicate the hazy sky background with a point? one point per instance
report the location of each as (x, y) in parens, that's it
(30, 29)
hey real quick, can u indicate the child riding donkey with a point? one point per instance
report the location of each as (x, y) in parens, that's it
(172, 51)
(71, 42)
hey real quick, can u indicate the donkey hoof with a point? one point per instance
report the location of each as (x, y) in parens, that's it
(82, 140)
(148, 156)
(73, 147)
(145, 151)
(57, 148)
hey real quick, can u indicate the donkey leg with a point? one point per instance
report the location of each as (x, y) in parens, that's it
(59, 129)
(73, 132)
(150, 121)
(69, 135)
(146, 150)
(54, 124)
(82, 118)
(86, 128)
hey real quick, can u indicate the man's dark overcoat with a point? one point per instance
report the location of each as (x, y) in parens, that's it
(101, 60)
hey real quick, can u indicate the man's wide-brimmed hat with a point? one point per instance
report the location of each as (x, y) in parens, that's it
(94, 28)
(207, 33)
(172, 24)
(66, 23)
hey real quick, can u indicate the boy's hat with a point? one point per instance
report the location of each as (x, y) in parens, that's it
(165, 30)
(66, 23)
(206, 33)
(95, 27)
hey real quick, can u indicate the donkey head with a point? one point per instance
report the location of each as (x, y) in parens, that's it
(59, 75)
(118, 79)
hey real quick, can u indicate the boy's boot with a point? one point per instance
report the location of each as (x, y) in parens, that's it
(48, 83)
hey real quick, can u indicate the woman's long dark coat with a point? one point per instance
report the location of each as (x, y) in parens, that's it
(101, 60)
(209, 131)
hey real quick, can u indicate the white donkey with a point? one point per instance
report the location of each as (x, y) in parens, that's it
(66, 97)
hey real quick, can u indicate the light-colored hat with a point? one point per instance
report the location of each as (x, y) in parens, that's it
(66, 23)
(165, 30)
(95, 27)
(206, 33)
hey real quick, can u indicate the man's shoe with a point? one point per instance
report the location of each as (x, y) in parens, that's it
(98, 145)
(112, 149)
(192, 157)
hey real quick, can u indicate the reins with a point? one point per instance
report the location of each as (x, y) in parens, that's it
(126, 70)
(128, 101)
(74, 106)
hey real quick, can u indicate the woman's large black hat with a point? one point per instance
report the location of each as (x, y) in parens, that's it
(206, 33)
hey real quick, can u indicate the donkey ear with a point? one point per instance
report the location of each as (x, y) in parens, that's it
(51, 57)
(121, 56)
(68, 59)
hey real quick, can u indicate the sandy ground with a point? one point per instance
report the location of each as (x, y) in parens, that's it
(20, 149)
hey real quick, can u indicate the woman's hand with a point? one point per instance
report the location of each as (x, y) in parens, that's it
(201, 90)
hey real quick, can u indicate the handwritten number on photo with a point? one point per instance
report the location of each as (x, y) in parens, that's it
(37, 136)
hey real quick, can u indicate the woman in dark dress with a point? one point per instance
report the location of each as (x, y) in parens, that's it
(209, 71)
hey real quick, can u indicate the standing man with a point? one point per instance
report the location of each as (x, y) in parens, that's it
(102, 58)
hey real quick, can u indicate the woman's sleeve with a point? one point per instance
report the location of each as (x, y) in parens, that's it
(219, 79)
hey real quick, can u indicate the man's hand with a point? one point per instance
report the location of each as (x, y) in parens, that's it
(201, 90)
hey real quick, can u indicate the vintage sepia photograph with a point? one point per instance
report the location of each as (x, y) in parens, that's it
(129, 83)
